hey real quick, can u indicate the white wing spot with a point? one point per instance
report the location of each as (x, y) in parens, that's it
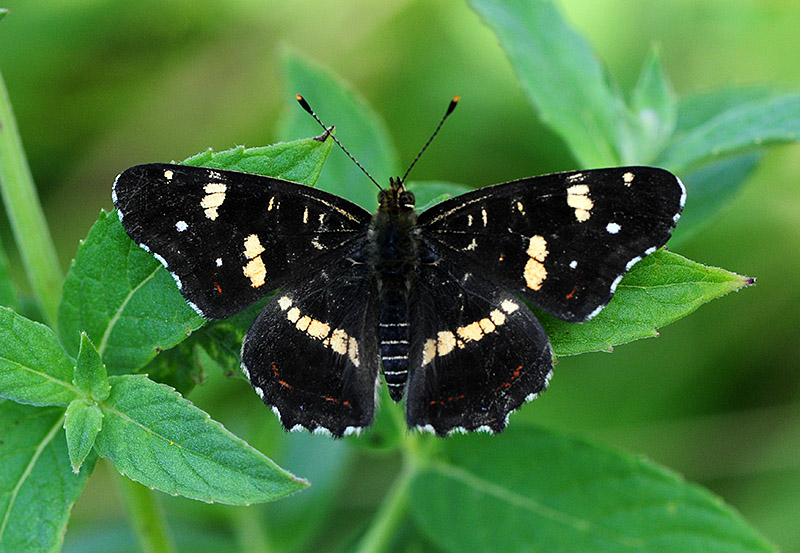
(219, 262)
(613, 228)
(181, 226)
(573, 264)
(168, 174)
(627, 178)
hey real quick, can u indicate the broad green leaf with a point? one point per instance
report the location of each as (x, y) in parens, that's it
(658, 290)
(562, 77)
(735, 130)
(215, 347)
(695, 109)
(82, 423)
(655, 109)
(360, 130)
(299, 160)
(537, 490)
(37, 487)
(90, 374)
(8, 293)
(710, 188)
(34, 368)
(124, 300)
(157, 438)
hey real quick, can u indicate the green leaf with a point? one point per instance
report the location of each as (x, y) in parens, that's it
(711, 188)
(695, 109)
(562, 77)
(90, 374)
(298, 161)
(34, 368)
(655, 108)
(430, 193)
(537, 490)
(82, 423)
(124, 300)
(3, 12)
(361, 131)
(739, 128)
(157, 438)
(658, 290)
(37, 487)
(8, 292)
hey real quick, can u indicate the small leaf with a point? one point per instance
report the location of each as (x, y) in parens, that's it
(735, 130)
(82, 423)
(362, 131)
(157, 438)
(37, 487)
(124, 300)
(562, 77)
(90, 373)
(658, 290)
(3, 12)
(655, 108)
(298, 161)
(34, 368)
(537, 490)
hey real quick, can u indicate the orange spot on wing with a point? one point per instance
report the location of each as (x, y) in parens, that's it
(217, 286)
(574, 289)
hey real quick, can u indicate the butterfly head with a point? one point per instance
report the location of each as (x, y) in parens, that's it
(396, 197)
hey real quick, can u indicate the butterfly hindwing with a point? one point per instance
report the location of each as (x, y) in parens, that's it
(230, 238)
(478, 351)
(564, 240)
(312, 352)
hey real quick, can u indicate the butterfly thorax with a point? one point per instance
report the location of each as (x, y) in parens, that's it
(393, 243)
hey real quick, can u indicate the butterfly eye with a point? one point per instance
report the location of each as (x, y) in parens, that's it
(407, 199)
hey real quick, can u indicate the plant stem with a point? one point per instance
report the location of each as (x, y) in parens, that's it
(25, 214)
(147, 517)
(390, 513)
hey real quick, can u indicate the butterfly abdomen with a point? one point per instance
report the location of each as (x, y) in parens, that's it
(393, 246)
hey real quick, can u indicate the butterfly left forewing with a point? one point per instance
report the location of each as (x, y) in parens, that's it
(564, 240)
(230, 238)
(312, 352)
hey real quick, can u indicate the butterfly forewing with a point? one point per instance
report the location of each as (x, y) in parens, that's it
(564, 240)
(479, 352)
(230, 238)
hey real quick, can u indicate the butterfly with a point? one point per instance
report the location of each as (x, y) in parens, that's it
(436, 302)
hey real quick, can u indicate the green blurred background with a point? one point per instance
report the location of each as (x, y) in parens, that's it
(98, 86)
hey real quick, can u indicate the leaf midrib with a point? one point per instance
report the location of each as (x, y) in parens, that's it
(28, 469)
(504, 494)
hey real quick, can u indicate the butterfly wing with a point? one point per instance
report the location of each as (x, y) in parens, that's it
(562, 241)
(478, 352)
(312, 352)
(230, 238)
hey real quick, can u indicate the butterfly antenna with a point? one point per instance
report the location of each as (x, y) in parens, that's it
(310, 111)
(450, 108)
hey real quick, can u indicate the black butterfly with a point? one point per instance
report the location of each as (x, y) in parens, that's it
(434, 301)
